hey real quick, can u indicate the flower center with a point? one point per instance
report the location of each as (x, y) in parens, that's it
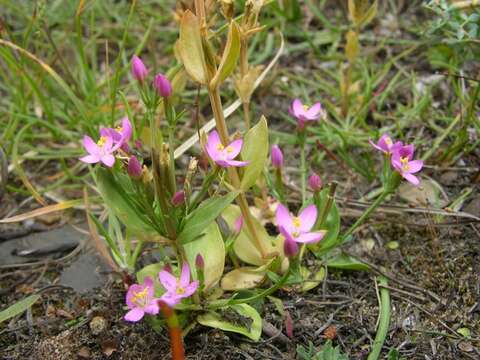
(119, 129)
(229, 149)
(297, 222)
(306, 107)
(404, 162)
(101, 142)
(180, 290)
(140, 297)
(220, 147)
(388, 141)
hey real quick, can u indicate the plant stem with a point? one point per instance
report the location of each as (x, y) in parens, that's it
(243, 73)
(216, 103)
(383, 320)
(303, 165)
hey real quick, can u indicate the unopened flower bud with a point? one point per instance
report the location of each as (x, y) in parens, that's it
(168, 268)
(199, 262)
(315, 183)
(139, 71)
(237, 226)
(290, 247)
(289, 325)
(134, 168)
(162, 85)
(227, 8)
(277, 157)
(179, 198)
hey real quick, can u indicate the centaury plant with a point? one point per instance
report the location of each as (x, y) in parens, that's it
(213, 256)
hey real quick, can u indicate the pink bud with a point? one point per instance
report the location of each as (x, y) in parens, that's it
(289, 325)
(199, 262)
(163, 85)
(178, 198)
(290, 247)
(315, 183)
(139, 71)
(134, 168)
(237, 226)
(168, 268)
(277, 157)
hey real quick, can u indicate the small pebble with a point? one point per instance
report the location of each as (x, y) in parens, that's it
(98, 325)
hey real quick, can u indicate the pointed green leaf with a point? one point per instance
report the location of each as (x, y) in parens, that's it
(255, 150)
(212, 249)
(202, 216)
(18, 308)
(345, 262)
(246, 321)
(190, 48)
(230, 55)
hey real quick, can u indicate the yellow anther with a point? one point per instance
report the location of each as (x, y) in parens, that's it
(306, 107)
(404, 162)
(119, 129)
(139, 297)
(297, 222)
(229, 149)
(102, 141)
(388, 141)
(180, 289)
(220, 147)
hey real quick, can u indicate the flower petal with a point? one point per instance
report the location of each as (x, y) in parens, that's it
(90, 145)
(312, 237)
(152, 308)
(171, 299)
(134, 315)
(190, 289)
(376, 146)
(126, 129)
(235, 163)
(308, 216)
(412, 179)
(314, 112)
(415, 166)
(212, 146)
(169, 282)
(132, 290)
(90, 159)
(108, 160)
(284, 219)
(297, 108)
(185, 275)
(235, 147)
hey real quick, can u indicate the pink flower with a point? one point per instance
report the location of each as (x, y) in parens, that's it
(102, 151)
(298, 228)
(162, 85)
(403, 163)
(385, 144)
(290, 247)
(139, 71)
(121, 135)
(224, 155)
(305, 114)
(178, 198)
(277, 157)
(140, 300)
(177, 289)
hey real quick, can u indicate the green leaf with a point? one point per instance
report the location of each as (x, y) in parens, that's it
(245, 320)
(255, 150)
(118, 200)
(190, 47)
(345, 262)
(212, 249)
(18, 308)
(201, 217)
(230, 55)
(244, 247)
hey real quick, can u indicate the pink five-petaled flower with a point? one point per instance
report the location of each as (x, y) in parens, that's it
(224, 155)
(304, 114)
(177, 289)
(140, 300)
(121, 135)
(403, 163)
(299, 227)
(386, 145)
(102, 151)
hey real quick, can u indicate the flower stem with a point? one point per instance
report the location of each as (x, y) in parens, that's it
(216, 103)
(303, 165)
